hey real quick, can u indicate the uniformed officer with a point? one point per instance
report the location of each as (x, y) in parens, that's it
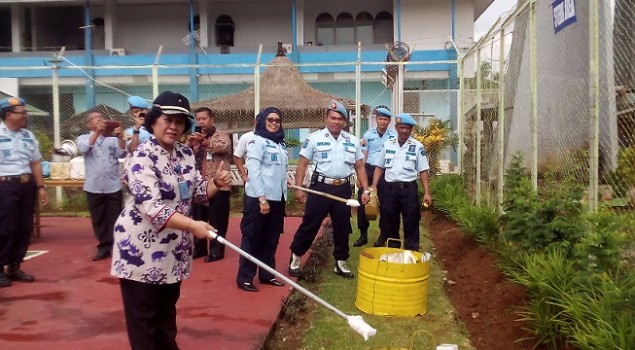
(137, 133)
(404, 159)
(336, 155)
(372, 142)
(20, 179)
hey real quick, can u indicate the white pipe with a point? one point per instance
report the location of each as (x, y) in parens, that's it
(355, 322)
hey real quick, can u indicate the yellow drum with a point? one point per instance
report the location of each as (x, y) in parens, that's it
(392, 288)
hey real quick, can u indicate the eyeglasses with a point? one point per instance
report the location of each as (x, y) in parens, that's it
(274, 120)
(22, 112)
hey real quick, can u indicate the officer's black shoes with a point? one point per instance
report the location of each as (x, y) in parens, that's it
(198, 254)
(342, 270)
(379, 243)
(212, 258)
(273, 282)
(361, 241)
(4, 280)
(294, 266)
(101, 255)
(246, 286)
(15, 274)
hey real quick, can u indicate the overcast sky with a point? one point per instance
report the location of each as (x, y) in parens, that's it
(487, 19)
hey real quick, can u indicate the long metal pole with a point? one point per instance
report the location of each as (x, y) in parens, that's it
(257, 82)
(459, 117)
(594, 102)
(56, 113)
(477, 126)
(358, 91)
(155, 73)
(533, 71)
(501, 121)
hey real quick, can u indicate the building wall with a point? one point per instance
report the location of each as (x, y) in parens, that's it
(427, 24)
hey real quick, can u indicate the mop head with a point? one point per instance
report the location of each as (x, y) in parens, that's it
(362, 328)
(353, 203)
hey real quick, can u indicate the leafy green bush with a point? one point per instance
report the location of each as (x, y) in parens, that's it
(451, 198)
(601, 314)
(604, 240)
(46, 145)
(534, 223)
(546, 276)
(623, 177)
(449, 193)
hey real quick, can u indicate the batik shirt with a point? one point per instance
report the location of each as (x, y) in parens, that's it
(145, 250)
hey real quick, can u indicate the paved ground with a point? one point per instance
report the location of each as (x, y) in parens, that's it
(75, 304)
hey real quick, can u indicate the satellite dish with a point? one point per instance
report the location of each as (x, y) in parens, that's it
(398, 52)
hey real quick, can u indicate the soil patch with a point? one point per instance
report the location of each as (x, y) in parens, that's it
(484, 299)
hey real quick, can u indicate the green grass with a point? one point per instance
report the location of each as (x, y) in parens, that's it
(329, 331)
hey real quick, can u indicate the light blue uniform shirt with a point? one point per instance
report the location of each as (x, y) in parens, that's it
(17, 150)
(101, 161)
(143, 134)
(266, 164)
(403, 163)
(332, 158)
(374, 143)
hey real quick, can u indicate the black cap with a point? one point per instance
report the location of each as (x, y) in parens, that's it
(169, 102)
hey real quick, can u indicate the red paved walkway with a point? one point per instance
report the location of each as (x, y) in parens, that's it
(75, 304)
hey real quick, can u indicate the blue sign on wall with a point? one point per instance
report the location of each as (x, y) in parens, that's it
(563, 14)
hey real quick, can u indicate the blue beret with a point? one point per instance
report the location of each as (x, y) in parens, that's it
(405, 118)
(338, 107)
(383, 112)
(11, 102)
(137, 102)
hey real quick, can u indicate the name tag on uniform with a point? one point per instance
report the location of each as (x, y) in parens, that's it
(184, 190)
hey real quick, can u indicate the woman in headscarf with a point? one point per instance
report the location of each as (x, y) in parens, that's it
(153, 235)
(265, 199)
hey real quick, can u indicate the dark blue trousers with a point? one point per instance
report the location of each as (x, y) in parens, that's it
(316, 209)
(261, 234)
(104, 210)
(362, 221)
(150, 311)
(402, 199)
(17, 201)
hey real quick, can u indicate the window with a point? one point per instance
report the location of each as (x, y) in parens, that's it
(224, 31)
(364, 28)
(345, 29)
(383, 30)
(324, 30)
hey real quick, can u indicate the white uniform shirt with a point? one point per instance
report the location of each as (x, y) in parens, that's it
(267, 164)
(332, 158)
(17, 150)
(241, 145)
(403, 163)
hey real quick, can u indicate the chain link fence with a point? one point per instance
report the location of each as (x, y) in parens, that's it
(554, 82)
(427, 90)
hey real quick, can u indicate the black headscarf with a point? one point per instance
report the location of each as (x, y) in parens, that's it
(261, 125)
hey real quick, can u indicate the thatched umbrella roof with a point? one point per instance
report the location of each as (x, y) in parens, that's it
(281, 86)
(76, 124)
